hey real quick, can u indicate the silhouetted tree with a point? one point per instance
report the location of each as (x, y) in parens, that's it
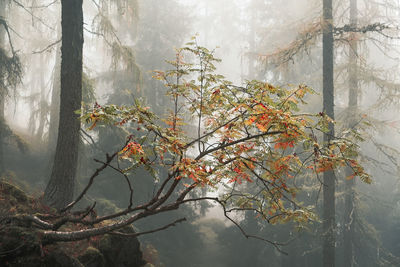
(2, 90)
(60, 189)
(328, 225)
(349, 212)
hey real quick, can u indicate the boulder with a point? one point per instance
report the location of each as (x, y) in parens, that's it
(121, 251)
(92, 258)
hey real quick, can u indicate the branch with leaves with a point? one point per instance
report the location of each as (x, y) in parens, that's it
(251, 145)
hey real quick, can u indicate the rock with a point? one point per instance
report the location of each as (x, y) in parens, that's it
(59, 258)
(92, 258)
(121, 251)
(13, 191)
(15, 241)
(55, 258)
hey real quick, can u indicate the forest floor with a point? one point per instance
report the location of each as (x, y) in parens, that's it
(20, 242)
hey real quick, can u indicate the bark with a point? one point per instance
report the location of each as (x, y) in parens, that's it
(55, 103)
(42, 102)
(349, 211)
(328, 224)
(2, 92)
(60, 189)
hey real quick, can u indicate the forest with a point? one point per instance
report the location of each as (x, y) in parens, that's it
(192, 133)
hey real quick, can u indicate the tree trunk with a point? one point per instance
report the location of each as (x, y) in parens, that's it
(328, 224)
(55, 103)
(2, 91)
(60, 189)
(42, 102)
(349, 212)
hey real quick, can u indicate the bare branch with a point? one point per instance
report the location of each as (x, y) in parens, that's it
(33, 15)
(47, 47)
(150, 231)
(126, 179)
(94, 175)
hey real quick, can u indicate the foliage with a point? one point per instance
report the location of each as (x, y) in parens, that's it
(250, 134)
(10, 71)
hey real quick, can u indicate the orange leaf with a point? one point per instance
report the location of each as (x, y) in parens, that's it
(250, 121)
(351, 176)
(261, 127)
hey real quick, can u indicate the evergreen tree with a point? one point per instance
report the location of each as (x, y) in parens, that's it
(60, 189)
(349, 210)
(328, 223)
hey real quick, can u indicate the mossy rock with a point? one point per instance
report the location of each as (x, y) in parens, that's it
(13, 191)
(121, 251)
(92, 258)
(105, 206)
(15, 241)
(59, 258)
(51, 258)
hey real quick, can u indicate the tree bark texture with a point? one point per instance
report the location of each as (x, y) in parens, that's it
(349, 211)
(328, 224)
(42, 103)
(55, 103)
(2, 90)
(60, 189)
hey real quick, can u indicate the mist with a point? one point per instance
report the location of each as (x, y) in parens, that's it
(128, 48)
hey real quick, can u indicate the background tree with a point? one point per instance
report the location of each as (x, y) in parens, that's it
(328, 223)
(10, 76)
(2, 89)
(60, 189)
(350, 213)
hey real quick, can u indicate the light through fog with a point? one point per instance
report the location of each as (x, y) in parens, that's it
(274, 41)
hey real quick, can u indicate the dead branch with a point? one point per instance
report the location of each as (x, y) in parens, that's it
(307, 37)
(126, 179)
(375, 27)
(47, 47)
(33, 15)
(109, 159)
(24, 218)
(150, 231)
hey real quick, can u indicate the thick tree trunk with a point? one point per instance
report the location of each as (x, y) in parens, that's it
(328, 224)
(349, 212)
(60, 189)
(2, 91)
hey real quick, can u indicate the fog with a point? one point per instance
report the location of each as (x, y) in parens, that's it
(274, 41)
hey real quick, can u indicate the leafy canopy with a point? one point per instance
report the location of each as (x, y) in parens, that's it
(248, 142)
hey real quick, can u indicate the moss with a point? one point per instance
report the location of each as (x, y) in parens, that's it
(121, 250)
(13, 191)
(105, 206)
(92, 258)
(16, 241)
(21, 247)
(20, 242)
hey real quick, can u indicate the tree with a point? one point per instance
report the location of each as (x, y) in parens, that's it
(60, 189)
(349, 213)
(10, 77)
(328, 224)
(246, 134)
(55, 101)
(2, 89)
